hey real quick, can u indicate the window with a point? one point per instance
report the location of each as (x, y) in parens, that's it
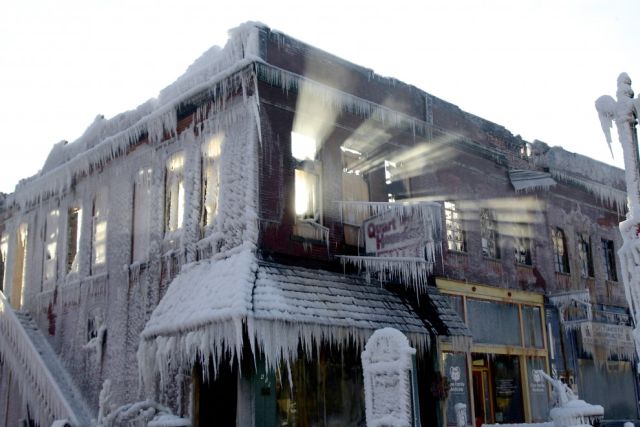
(4, 251)
(50, 246)
(354, 188)
(19, 266)
(456, 236)
(307, 178)
(585, 256)
(209, 179)
(99, 230)
(560, 255)
(174, 193)
(609, 253)
(141, 205)
(74, 217)
(489, 234)
(522, 244)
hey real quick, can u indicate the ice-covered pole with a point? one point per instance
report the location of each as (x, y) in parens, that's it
(624, 111)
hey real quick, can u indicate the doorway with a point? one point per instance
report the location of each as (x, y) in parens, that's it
(483, 404)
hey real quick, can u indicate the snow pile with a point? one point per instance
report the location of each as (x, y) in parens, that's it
(219, 72)
(35, 382)
(387, 367)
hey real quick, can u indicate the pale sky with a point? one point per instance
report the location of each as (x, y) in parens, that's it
(535, 67)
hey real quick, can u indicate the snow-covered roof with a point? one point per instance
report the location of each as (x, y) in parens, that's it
(530, 180)
(211, 304)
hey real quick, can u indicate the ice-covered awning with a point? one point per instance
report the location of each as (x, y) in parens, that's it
(211, 304)
(530, 180)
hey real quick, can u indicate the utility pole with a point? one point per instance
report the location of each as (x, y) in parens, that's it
(624, 111)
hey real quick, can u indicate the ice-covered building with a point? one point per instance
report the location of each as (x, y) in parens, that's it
(223, 252)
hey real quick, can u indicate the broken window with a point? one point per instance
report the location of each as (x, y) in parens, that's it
(50, 246)
(209, 180)
(307, 177)
(354, 188)
(585, 256)
(560, 255)
(522, 244)
(456, 235)
(99, 230)
(609, 254)
(74, 217)
(141, 206)
(489, 234)
(174, 193)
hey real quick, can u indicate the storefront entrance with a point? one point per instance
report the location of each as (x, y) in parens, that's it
(497, 389)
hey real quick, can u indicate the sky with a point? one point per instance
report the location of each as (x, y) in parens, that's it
(534, 67)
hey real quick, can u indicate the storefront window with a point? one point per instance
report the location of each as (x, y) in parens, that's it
(326, 392)
(455, 369)
(532, 326)
(493, 322)
(507, 391)
(538, 395)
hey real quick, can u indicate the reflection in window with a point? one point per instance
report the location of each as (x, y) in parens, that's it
(174, 193)
(493, 322)
(74, 217)
(489, 234)
(532, 326)
(19, 267)
(50, 245)
(456, 236)
(560, 255)
(354, 188)
(209, 181)
(609, 254)
(585, 256)
(327, 391)
(99, 230)
(522, 244)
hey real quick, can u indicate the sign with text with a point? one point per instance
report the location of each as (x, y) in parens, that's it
(394, 234)
(616, 338)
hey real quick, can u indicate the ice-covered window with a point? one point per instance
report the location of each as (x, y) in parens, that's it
(456, 235)
(19, 266)
(609, 255)
(50, 246)
(560, 255)
(585, 256)
(397, 185)
(141, 207)
(99, 230)
(354, 188)
(4, 252)
(522, 244)
(74, 218)
(209, 180)
(532, 326)
(174, 193)
(489, 234)
(307, 177)
(493, 322)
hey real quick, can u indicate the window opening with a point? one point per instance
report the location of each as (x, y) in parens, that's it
(489, 233)
(609, 253)
(560, 255)
(50, 245)
(99, 230)
(522, 244)
(456, 235)
(209, 180)
(174, 193)
(585, 255)
(74, 217)
(141, 207)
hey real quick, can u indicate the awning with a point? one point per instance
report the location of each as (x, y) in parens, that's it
(211, 304)
(529, 180)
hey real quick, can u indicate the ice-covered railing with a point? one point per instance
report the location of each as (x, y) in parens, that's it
(46, 400)
(411, 264)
